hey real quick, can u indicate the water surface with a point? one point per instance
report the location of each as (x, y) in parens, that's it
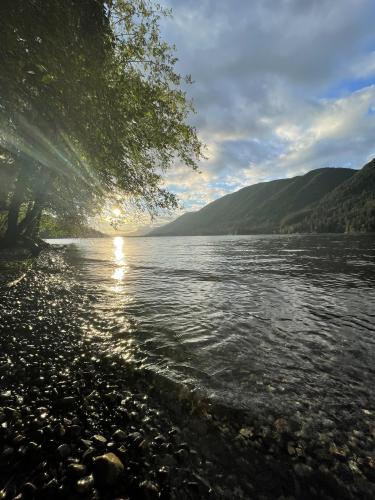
(262, 323)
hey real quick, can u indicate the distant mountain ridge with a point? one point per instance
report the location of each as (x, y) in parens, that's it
(323, 200)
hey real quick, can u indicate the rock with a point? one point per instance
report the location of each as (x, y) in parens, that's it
(28, 449)
(99, 440)
(64, 450)
(119, 436)
(85, 484)
(167, 460)
(28, 490)
(19, 439)
(7, 452)
(136, 438)
(121, 451)
(291, 449)
(112, 398)
(88, 455)
(66, 403)
(11, 413)
(59, 430)
(149, 490)
(163, 472)
(182, 454)
(74, 431)
(76, 470)
(51, 489)
(86, 442)
(281, 425)
(302, 470)
(246, 432)
(107, 469)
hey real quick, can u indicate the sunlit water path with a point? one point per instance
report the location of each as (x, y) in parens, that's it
(277, 323)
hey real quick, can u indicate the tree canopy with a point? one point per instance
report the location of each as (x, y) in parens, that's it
(91, 109)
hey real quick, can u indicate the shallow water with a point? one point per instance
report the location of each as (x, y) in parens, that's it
(277, 323)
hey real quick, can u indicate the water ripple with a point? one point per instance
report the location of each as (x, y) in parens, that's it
(265, 323)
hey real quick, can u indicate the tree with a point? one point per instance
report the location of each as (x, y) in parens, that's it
(91, 109)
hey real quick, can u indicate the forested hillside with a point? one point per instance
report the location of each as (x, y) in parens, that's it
(267, 207)
(350, 207)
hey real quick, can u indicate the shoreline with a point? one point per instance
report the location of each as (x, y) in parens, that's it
(64, 403)
(14, 265)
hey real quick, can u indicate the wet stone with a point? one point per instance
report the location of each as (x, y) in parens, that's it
(86, 443)
(74, 431)
(59, 430)
(7, 452)
(64, 450)
(99, 440)
(76, 470)
(149, 490)
(89, 455)
(107, 469)
(85, 484)
(119, 436)
(28, 490)
(66, 403)
(302, 470)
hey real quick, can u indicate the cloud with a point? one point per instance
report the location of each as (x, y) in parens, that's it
(281, 87)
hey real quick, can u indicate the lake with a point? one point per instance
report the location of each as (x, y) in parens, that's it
(267, 324)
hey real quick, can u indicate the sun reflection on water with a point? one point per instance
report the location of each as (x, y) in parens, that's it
(118, 244)
(119, 258)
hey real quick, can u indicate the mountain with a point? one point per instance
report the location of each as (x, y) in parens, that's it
(268, 207)
(350, 207)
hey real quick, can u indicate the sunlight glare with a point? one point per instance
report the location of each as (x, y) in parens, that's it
(119, 257)
(118, 274)
(118, 243)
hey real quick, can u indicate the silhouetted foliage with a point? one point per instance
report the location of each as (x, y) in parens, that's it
(91, 109)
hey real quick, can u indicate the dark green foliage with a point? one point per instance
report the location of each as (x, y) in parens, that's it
(91, 110)
(68, 227)
(348, 208)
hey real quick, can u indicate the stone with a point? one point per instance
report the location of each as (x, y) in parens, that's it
(28, 490)
(99, 440)
(246, 432)
(88, 455)
(66, 403)
(74, 430)
(302, 470)
(76, 470)
(64, 450)
(107, 469)
(85, 484)
(119, 436)
(149, 490)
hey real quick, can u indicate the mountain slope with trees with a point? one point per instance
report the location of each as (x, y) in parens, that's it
(348, 208)
(323, 200)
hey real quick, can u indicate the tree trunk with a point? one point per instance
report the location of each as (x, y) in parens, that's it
(30, 222)
(27, 224)
(12, 233)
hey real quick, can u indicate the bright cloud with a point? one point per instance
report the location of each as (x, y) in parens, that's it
(281, 87)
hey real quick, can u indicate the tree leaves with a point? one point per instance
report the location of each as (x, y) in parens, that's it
(88, 91)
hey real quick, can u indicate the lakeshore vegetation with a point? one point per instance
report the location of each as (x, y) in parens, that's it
(92, 112)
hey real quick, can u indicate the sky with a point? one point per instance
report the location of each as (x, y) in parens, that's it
(280, 87)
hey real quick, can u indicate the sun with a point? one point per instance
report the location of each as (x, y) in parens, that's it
(116, 212)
